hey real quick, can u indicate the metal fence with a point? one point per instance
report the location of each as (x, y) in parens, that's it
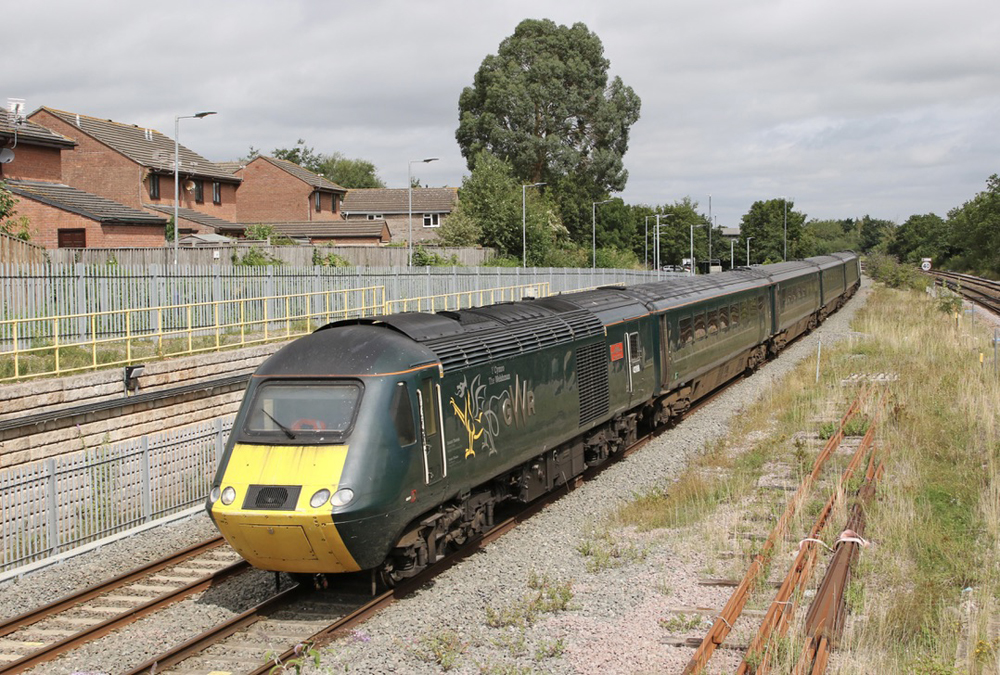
(38, 291)
(59, 504)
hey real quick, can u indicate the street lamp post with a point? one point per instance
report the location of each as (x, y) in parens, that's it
(177, 169)
(748, 251)
(593, 226)
(524, 226)
(646, 245)
(409, 188)
(732, 250)
(784, 200)
(692, 248)
(709, 234)
(656, 254)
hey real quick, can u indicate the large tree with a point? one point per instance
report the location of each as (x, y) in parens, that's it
(975, 230)
(346, 172)
(544, 104)
(770, 223)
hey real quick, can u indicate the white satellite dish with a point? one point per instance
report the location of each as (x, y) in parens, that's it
(6, 155)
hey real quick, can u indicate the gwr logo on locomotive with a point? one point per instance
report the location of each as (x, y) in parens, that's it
(480, 413)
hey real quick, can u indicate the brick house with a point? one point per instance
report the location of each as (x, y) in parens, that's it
(279, 191)
(65, 217)
(60, 215)
(134, 166)
(431, 206)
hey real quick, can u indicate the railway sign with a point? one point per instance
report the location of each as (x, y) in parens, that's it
(925, 264)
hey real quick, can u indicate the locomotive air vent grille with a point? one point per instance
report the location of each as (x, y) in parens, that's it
(584, 324)
(272, 497)
(592, 376)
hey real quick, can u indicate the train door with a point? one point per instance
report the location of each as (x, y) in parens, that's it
(432, 431)
(633, 358)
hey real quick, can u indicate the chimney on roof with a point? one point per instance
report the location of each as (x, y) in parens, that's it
(78, 119)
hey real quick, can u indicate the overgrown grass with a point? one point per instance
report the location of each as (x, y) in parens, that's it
(936, 522)
(929, 587)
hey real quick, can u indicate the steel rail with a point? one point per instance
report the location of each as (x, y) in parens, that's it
(130, 615)
(737, 601)
(35, 615)
(824, 621)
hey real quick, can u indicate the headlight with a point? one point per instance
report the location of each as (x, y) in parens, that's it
(228, 496)
(319, 498)
(342, 497)
(214, 494)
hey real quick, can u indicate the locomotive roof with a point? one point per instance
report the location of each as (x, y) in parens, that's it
(825, 262)
(480, 335)
(357, 352)
(669, 293)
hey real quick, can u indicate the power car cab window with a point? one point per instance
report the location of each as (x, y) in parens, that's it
(401, 412)
(303, 412)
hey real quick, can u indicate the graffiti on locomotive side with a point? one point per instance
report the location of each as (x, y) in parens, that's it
(481, 413)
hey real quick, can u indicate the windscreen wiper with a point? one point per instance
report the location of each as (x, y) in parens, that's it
(288, 432)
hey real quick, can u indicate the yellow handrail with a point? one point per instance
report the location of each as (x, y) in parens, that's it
(70, 343)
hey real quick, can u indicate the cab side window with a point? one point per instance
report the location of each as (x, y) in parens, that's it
(402, 415)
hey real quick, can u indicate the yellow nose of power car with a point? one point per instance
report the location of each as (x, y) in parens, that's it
(274, 519)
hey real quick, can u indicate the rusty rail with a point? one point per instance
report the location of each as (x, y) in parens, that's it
(825, 619)
(737, 601)
(785, 603)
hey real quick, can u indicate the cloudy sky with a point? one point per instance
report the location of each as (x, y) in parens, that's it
(886, 108)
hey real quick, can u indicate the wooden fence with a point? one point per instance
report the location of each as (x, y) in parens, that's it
(292, 256)
(14, 251)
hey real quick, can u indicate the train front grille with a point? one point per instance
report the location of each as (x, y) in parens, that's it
(272, 497)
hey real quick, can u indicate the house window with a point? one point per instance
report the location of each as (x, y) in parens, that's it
(375, 216)
(199, 191)
(432, 219)
(216, 192)
(319, 202)
(154, 186)
(72, 238)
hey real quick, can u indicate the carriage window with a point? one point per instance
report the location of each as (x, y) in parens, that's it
(699, 326)
(687, 335)
(402, 415)
(734, 316)
(713, 322)
(724, 317)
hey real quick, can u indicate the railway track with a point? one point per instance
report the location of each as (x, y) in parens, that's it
(44, 633)
(825, 618)
(983, 292)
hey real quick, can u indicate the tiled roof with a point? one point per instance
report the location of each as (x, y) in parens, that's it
(343, 229)
(396, 200)
(304, 175)
(196, 217)
(231, 167)
(29, 132)
(146, 147)
(83, 203)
